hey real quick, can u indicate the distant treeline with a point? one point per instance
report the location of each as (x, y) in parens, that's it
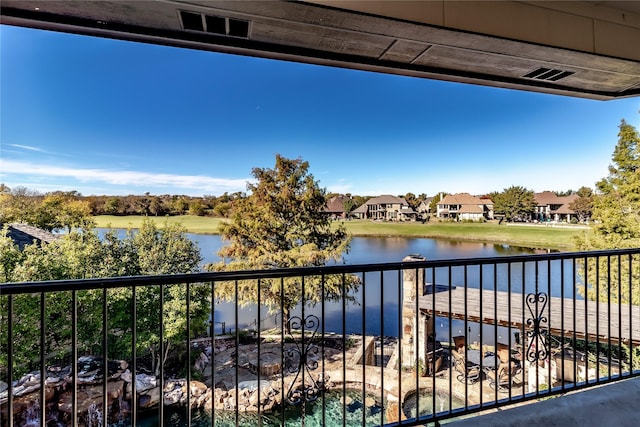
(18, 203)
(147, 204)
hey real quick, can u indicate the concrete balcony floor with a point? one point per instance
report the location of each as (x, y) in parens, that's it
(614, 404)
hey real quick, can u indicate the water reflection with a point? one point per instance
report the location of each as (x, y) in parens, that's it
(378, 298)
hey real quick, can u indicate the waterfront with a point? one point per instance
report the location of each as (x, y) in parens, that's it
(373, 250)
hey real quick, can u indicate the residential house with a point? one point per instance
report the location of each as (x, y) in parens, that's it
(464, 206)
(360, 212)
(386, 208)
(424, 208)
(335, 207)
(551, 207)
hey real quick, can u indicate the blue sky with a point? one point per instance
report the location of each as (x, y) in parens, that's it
(103, 116)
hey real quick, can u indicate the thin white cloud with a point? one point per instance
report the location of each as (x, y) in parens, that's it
(203, 184)
(28, 147)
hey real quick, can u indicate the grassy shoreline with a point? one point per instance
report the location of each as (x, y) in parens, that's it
(532, 236)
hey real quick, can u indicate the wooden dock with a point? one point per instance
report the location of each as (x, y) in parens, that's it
(585, 319)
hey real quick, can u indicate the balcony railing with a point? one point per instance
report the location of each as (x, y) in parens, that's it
(398, 344)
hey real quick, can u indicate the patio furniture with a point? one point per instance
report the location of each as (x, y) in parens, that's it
(503, 377)
(467, 371)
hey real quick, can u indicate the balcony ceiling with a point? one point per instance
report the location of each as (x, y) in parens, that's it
(585, 49)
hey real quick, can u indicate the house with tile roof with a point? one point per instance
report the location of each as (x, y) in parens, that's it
(386, 208)
(464, 206)
(551, 207)
(335, 207)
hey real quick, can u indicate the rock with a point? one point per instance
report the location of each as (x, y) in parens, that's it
(171, 385)
(145, 382)
(126, 376)
(173, 397)
(198, 388)
(253, 399)
(150, 399)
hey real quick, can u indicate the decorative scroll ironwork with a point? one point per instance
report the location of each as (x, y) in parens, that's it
(300, 360)
(538, 342)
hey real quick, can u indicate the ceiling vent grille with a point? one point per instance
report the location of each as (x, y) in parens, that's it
(548, 74)
(214, 24)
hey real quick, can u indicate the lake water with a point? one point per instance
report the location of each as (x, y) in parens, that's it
(382, 318)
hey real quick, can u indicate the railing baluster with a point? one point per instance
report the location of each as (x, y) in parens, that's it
(187, 316)
(586, 320)
(324, 372)
(574, 307)
(481, 325)
(431, 337)
(631, 370)
(161, 355)
(400, 336)
(549, 326)
(74, 357)
(43, 350)
(382, 348)
(450, 319)
(509, 341)
(10, 360)
(523, 333)
(259, 355)
(562, 337)
(105, 355)
(597, 319)
(620, 316)
(283, 323)
(134, 357)
(344, 350)
(416, 340)
(495, 331)
(609, 318)
(467, 333)
(237, 355)
(364, 347)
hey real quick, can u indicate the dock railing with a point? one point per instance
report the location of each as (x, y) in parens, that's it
(401, 343)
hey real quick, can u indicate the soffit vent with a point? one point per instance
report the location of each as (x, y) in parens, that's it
(214, 24)
(548, 74)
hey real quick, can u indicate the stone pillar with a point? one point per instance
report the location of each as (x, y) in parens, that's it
(411, 328)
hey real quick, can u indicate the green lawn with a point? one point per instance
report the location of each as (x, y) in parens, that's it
(536, 236)
(194, 224)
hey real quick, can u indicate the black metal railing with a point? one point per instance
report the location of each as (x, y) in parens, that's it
(384, 344)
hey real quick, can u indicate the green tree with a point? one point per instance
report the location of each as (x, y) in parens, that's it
(180, 205)
(282, 224)
(411, 199)
(18, 205)
(196, 208)
(85, 255)
(515, 203)
(113, 206)
(433, 206)
(564, 193)
(10, 255)
(616, 214)
(583, 205)
(348, 205)
(156, 207)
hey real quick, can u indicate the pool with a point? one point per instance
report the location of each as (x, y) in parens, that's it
(352, 410)
(424, 403)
